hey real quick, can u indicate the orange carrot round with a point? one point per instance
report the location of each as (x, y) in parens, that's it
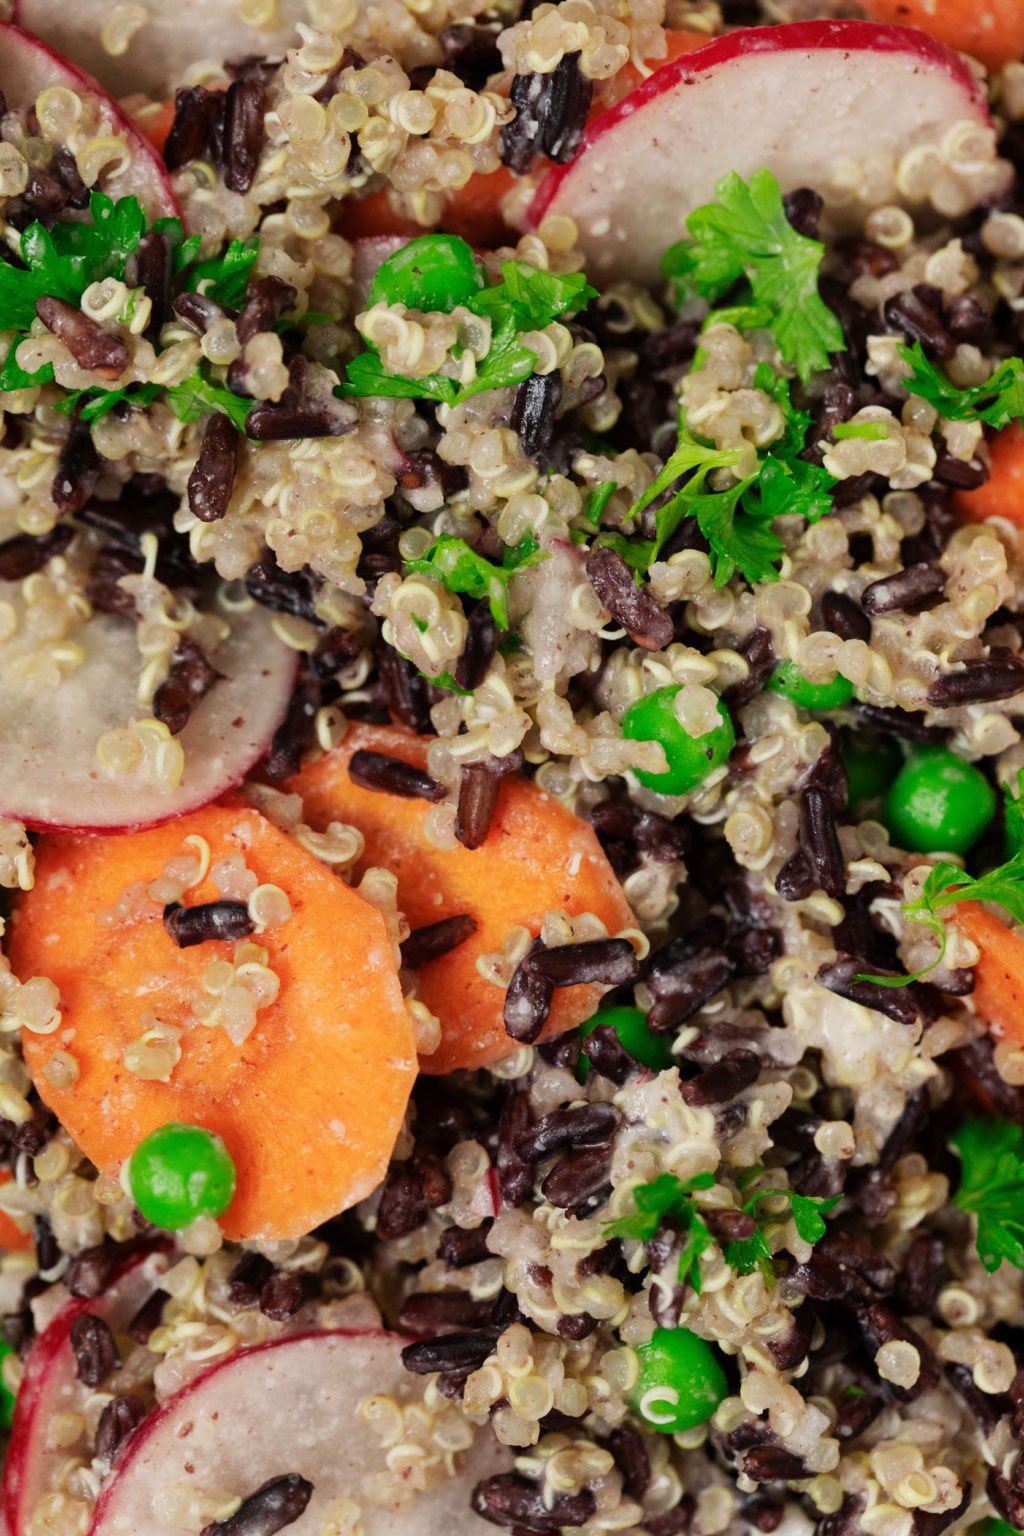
(155, 120)
(12, 1238)
(1002, 495)
(999, 974)
(538, 857)
(990, 30)
(309, 1105)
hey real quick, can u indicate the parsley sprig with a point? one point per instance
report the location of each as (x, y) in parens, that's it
(745, 235)
(997, 402)
(458, 567)
(526, 299)
(808, 1212)
(668, 1201)
(992, 1187)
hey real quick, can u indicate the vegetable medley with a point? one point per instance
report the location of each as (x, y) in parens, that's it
(511, 768)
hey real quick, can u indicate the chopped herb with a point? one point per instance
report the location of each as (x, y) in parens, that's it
(456, 566)
(94, 404)
(669, 1201)
(526, 299)
(597, 500)
(198, 395)
(997, 402)
(992, 1187)
(225, 278)
(748, 1254)
(746, 235)
(869, 431)
(745, 317)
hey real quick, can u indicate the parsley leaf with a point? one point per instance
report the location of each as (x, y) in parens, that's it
(992, 1187)
(597, 499)
(1014, 815)
(997, 402)
(668, 1200)
(746, 234)
(526, 299)
(197, 395)
(225, 278)
(456, 566)
(808, 1211)
(93, 404)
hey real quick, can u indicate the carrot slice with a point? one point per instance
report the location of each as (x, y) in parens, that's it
(1002, 495)
(538, 857)
(678, 42)
(12, 1238)
(999, 974)
(309, 1105)
(156, 120)
(991, 30)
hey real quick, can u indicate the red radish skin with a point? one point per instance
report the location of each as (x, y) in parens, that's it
(28, 66)
(173, 37)
(65, 790)
(795, 99)
(290, 1406)
(50, 1385)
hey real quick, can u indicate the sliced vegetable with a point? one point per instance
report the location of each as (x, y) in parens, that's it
(309, 1105)
(231, 727)
(1002, 495)
(690, 758)
(12, 1237)
(28, 67)
(938, 803)
(998, 992)
(171, 38)
(214, 1434)
(795, 98)
(538, 857)
(991, 30)
(681, 1382)
(34, 1462)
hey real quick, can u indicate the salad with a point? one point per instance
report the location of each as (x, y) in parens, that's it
(512, 768)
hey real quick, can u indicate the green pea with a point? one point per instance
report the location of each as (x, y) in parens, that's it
(6, 1395)
(690, 758)
(938, 803)
(630, 1024)
(434, 272)
(871, 764)
(788, 680)
(179, 1173)
(681, 1382)
(993, 1527)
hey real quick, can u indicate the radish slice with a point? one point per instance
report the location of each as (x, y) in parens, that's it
(49, 774)
(28, 67)
(171, 38)
(370, 254)
(809, 101)
(50, 1386)
(291, 1406)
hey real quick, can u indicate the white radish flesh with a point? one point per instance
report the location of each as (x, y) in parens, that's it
(813, 102)
(28, 67)
(293, 1406)
(49, 773)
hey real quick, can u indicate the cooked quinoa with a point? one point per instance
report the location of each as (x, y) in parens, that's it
(784, 1180)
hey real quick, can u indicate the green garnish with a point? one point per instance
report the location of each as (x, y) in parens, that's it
(597, 500)
(992, 1187)
(94, 404)
(456, 566)
(197, 395)
(808, 1211)
(225, 278)
(867, 431)
(669, 1201)
(997, 402)
(745, 234)
(526, 299)
(1013, 812)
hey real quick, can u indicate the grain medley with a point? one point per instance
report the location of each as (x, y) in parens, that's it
(511, 769)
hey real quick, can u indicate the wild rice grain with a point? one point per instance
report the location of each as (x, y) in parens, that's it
(479, 649)
(436, 939)
(213, 477)
(632, 606)
(78, 470)
(610, 962)
(94, 1348)
(819, 838)
(904, 591)
(985, 680)
(737, 1070)
(190, 138)
(391, 776)
(243, 132)
(189, 926)
(516, 1504)
(189, 681)
(551, 114)
(24, 554)
(118, 1422)
(585, 1125)
(89, 344)
(278, 1503)
(841, 615)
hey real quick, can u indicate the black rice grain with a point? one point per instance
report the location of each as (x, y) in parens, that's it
(841, 615)
(627, 1446)
(243, 132)
(478, 800)
(189, 926)
(471, 52)
(515, 1178)
(94, 1348)
(274, 1506)
(282, 1296)
(296, 733)
(391, 776)
(581, 1182)
(78, 470)
(880, 1325)
(436, 939)
(149, 1316)
(917, 312)
(48, 1251)
(984, 680)
(582, 1126)
(461, 1352)
(773, 1464)
(609, 962)
(684, 991)
(186, 685)
(903, 723)
(632, 606)
(90, 345)
(150, 270)
(517, 1504)
(534, 409)
(803, 210)
(907, 1005)
(195, 113)
(479, 650)
(89, 1272)
(213, 475)
(719, 1083)
(460, 1247)
(933, 1522)
(24, 554)
(551, 114)
(119, 1420)
(904, 591)
(247, 1279)
(292, 592)
(430, 1314)
(819, 839)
